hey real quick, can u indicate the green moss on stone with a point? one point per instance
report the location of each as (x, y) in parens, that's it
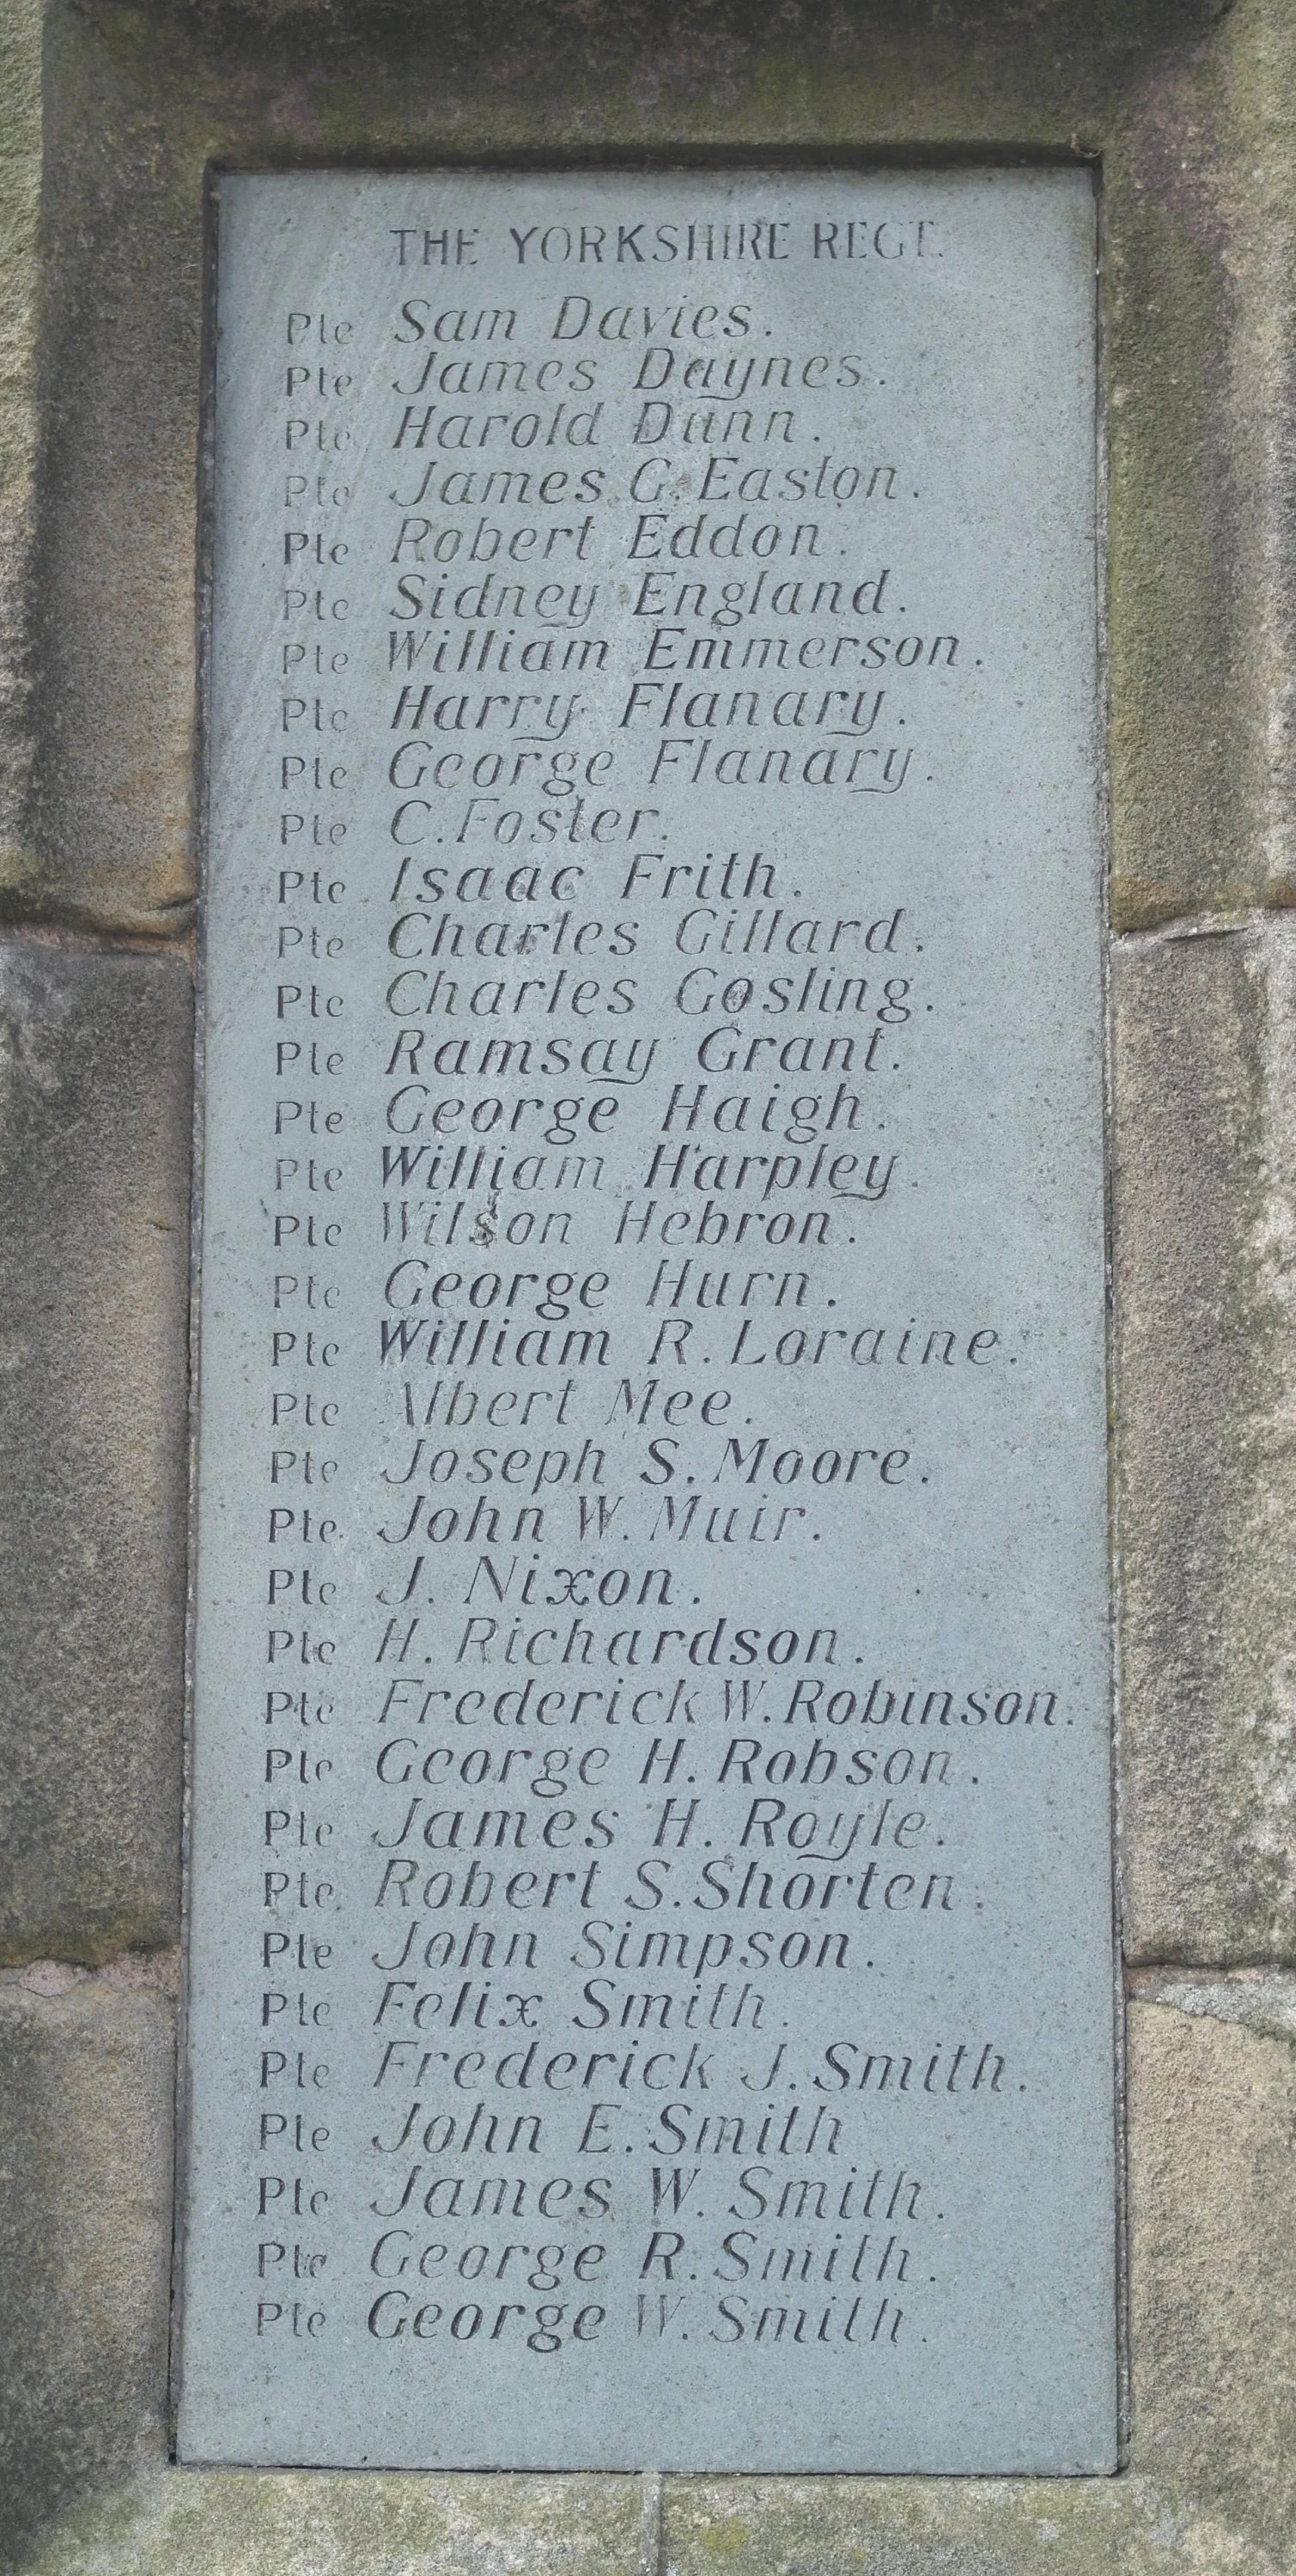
(207, 2522)
(239, 2523)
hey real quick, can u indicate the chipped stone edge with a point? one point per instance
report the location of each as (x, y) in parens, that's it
(1262, 2000)
(127, 1972)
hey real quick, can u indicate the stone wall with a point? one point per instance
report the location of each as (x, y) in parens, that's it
(111, 114)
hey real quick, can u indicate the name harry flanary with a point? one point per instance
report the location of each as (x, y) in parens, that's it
(650, 1994)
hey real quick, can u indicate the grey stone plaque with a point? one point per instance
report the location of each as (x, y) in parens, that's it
(650, 1994)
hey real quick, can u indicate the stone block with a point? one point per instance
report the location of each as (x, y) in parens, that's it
(230, 2522)
(1121, 2526)
(86, 2091)
(94, 1162)
(1199, 225)
(1212, 2231)
(1204, 1213)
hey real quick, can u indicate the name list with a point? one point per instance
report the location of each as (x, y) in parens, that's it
(650, 1987)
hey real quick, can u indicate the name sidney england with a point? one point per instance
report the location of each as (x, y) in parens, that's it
(650, 1924)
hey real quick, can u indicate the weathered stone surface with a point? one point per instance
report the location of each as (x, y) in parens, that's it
(1260, 1999)
(1204, 1187)
(86, 2089)
(231, 2523)
(1213, 2255)
(1198, 328)
(1189, 107)
(1121, 2526)
(94, 1157)
(20, 167)
(187, 2522)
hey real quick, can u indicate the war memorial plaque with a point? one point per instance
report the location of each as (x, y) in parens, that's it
(650, 1979)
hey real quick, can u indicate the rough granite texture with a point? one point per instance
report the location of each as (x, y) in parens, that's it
(1204, 1245)
(95, 1057)
(86, 2089)
(1189, 104)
